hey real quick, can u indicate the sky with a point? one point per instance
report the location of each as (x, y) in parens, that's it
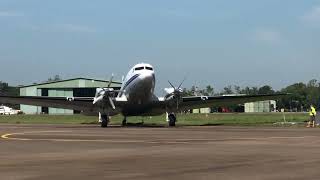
(210, 42)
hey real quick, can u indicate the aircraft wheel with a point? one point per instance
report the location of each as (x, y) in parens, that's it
(172, 120)
(124, 121)
(104, 121)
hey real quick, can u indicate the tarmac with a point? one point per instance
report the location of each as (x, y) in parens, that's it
(37, 152)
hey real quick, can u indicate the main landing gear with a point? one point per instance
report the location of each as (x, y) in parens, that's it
(172, 119)
(124, 121)
(104, 120)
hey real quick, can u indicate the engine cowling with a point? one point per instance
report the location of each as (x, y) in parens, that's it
(105, 96)
(173, 96)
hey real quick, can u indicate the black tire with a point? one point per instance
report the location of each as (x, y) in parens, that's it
(124, 122)
(172, 120)
(104, 121)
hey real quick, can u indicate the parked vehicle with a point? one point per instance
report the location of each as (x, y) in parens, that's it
(4, 110)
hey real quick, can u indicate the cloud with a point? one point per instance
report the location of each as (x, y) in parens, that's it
(267, 36)
(313, 16)
(10, 14)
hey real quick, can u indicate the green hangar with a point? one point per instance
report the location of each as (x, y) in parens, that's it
(78, 87)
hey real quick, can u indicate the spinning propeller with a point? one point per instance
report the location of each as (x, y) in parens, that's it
(106, 93)
(174, 92)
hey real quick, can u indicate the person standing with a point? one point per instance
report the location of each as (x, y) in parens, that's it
(312, 114)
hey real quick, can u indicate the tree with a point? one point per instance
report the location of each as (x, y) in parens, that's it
(187, 92)
(313, 95)
(227, 90)
(3, 86)
(209, 91)
(7, 90)
(312, 83)
(55, 78)
(237, 89)
(298, 95)
(266, 90)
(250, 91)
(302, 95)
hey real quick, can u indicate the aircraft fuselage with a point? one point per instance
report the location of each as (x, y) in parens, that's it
(138, 87)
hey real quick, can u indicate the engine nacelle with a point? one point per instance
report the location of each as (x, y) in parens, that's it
(104, 98)
(169, 90)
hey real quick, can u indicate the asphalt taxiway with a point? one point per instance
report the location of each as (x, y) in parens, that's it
(220, 152)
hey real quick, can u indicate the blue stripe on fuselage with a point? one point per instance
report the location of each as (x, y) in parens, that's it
(130, 80)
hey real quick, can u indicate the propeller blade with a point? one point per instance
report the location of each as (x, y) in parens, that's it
(111, 103)
(184, 79)
(110, 81)
(122, 78)
(171, 85)
(176, 92)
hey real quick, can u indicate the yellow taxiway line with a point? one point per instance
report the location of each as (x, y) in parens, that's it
(7, 136)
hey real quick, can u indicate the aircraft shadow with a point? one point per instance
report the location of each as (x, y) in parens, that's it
(128, 125)
(144, 125)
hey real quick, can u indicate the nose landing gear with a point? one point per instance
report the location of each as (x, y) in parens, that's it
(104, 120)
(172, 119)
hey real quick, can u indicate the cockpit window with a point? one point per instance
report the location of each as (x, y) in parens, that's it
(149, 68)
(138, 68)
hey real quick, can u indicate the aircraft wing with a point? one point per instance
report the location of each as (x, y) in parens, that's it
(196, 102)
(85, 104)
(75, 103)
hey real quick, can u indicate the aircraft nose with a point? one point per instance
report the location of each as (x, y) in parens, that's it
(147, 76)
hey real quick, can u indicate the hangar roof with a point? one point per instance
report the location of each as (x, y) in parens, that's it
(75, 83)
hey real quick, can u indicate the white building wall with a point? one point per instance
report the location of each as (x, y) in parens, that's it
(60, 93)
(259, 107)
(29, 91)
(202, 111)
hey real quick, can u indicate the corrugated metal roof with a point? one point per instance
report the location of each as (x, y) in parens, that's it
(114, 83)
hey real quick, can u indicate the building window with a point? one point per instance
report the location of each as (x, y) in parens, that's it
(84, 92)
(44, 110)
(44, 92)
